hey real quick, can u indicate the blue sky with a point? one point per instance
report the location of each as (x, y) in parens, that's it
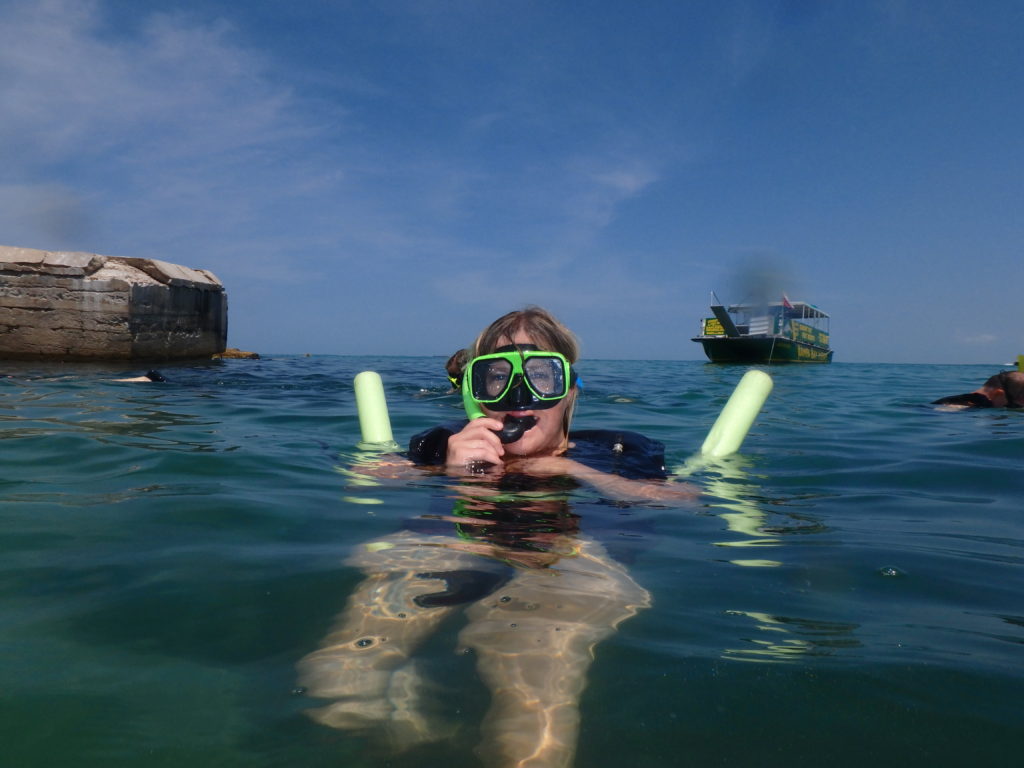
(388, 177)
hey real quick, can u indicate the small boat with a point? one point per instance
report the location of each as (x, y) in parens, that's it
(771, 332)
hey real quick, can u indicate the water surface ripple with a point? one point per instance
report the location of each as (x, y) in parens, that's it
(848, 591)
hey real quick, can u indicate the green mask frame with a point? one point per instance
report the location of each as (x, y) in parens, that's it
(521, 391)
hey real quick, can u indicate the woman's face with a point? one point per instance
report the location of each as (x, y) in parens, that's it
(545, 438)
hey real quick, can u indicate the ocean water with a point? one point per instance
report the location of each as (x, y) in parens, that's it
(848, 591)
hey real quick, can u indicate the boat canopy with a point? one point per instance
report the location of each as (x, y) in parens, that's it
(795, 309)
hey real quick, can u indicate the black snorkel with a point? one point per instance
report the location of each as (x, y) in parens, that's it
(515, 426)
(519, 398)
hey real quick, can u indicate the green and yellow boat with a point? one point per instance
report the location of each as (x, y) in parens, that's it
(773, 332)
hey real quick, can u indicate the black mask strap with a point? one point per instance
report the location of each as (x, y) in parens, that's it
(1004, 379)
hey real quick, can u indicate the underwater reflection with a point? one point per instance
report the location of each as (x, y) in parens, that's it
(778, 639)
(743, 507)
(727, 479)
(536, 595)
(787, 638)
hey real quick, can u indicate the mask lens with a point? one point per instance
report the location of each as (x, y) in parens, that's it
(496, 376)
(518, 379)
(546, 376)
(490, 379)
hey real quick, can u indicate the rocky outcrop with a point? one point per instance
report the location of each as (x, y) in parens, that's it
(83, 306)
(236, 354)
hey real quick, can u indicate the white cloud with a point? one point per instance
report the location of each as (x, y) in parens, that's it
(178, 87)
(972, 339)
(170, 136)
(627, 181)
(178, 120)
(173, 130)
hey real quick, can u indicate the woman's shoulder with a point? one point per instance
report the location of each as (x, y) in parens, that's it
(619, 451)
(431, 445)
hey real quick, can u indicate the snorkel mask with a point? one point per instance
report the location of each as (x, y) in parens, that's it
(517, 377)
(1001, 380)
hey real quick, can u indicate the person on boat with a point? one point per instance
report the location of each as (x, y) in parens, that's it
(1004, 390)
(538, 593)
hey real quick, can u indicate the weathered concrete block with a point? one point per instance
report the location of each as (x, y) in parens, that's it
(84, 306)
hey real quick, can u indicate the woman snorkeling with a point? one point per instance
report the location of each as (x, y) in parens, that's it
(512, 556)
(1003, 390)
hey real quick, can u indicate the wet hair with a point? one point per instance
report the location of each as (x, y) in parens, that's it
(1012, 384)
(545, 330)
(547, 333)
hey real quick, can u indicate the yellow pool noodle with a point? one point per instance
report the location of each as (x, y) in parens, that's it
(373, 409)
(738, 415)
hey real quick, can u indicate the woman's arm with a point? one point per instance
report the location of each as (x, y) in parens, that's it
(619, 488)
(474, 446)
(386, 466)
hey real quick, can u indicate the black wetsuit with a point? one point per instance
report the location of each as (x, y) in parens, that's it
(617, 452)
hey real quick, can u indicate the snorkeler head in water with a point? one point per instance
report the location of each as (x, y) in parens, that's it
(1004, 390)
(149, 376)
(454, 368)
(517, 380)
(520, 375)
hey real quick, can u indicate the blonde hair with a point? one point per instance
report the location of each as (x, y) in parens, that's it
(547, 333)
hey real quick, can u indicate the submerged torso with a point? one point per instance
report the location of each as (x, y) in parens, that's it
(528, 520)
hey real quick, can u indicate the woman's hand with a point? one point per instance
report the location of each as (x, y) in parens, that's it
(478, 442)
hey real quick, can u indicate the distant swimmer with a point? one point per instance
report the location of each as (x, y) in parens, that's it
(1004, 390)
(456, 363)
(150, 376)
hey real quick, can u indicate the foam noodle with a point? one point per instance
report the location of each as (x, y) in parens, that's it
(373, 410)
(739, 413)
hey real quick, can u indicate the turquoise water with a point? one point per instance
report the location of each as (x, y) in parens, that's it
(848, 592)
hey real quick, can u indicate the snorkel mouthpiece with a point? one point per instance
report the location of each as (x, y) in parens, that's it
(514, 427)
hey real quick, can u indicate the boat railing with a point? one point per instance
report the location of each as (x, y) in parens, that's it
(761, 326)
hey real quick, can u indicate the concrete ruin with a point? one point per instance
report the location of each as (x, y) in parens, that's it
(60, 305)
